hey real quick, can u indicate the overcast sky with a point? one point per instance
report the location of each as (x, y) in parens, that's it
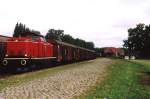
(105, 22)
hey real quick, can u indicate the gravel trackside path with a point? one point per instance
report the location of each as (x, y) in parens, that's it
(64, 84)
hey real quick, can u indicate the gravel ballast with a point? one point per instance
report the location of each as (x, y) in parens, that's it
(64, 84)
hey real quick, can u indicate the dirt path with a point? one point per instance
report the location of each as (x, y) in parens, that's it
(64, 84)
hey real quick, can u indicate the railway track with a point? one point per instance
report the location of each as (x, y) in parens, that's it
(71, 80)
(9, 70)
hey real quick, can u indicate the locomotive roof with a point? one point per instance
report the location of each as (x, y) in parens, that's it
(67, 44)
(32, 33)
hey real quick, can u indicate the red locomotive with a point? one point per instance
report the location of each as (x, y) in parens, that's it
(35, 49)
(24, 50)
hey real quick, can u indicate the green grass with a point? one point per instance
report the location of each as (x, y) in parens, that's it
(122, 82)
(145, 64)
(21, 78)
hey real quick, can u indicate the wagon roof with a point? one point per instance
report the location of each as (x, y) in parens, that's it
(67, 44)
(85, 49)
(64, 43)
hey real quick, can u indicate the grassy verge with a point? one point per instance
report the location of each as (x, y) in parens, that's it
(122, 82)
(145, 64)
(21, 78)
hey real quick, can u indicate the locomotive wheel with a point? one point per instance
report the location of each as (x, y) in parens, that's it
(23, 62)
(5, 62)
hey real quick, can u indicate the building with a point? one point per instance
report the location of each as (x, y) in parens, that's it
(3, 38)
(112, 51)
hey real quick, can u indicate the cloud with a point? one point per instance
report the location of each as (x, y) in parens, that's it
(103, 21)
(134, 2)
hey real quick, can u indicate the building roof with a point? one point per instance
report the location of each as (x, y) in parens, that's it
(5, 36)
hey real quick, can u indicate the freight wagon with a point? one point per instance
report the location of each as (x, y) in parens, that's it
(65, 52)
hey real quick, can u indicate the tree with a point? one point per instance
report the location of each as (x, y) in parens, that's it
(54, 34)
(17, 30)
(80, 42)
(90, 45)
(138, 42)
(59, 35)
(67, 38)
(20, 29)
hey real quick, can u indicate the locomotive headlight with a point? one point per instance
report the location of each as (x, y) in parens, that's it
(6, 55)
(26, 55)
